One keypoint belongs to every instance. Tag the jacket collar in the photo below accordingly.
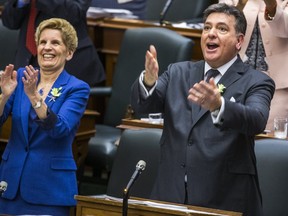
(61, 81)
(235, 72)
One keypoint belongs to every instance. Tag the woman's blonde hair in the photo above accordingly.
(69, 35)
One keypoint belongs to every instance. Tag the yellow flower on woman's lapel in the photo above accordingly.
(55, 93)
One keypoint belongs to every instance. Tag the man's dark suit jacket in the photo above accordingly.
(219, 161)
(85, 63)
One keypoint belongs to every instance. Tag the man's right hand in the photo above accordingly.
(151, 67)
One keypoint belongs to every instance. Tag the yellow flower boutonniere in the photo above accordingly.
(221, 88)
(55, 93)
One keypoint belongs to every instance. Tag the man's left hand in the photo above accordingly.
(206, 95)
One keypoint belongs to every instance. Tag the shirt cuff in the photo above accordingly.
(149, 91)
(217, 114)
(49, 122)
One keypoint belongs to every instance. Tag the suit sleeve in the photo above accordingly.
(250, 112)
(13, 17)
(73, 11)
(70, 111)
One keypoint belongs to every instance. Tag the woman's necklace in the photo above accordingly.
(43, 90)
(44, 87)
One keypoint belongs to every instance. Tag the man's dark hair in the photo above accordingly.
(241, 23)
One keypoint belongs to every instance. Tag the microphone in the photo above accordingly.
(164, 11)
(141, 165)
(3, 187)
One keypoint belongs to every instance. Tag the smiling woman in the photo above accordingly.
(47, 104)
(56, 42)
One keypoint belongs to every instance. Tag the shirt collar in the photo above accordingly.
(221, 69)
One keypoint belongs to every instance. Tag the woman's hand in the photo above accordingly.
(30, 81)
(8, 81)
(270, 4)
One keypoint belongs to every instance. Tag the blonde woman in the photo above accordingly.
(46, 106)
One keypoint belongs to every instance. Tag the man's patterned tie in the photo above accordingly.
(211, 73)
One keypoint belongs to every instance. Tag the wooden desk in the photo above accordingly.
(107, 34)
(87, 206)
(266, 136)
(137, 124)
(85, 131)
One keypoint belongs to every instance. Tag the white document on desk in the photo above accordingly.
(96, 12)
(124, 1)
(188, 25)
(157, 205)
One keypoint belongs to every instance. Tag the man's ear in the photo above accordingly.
(240, 39)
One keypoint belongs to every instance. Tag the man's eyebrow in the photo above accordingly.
(219, 23)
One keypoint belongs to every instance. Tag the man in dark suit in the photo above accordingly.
(207, 147)
(85, 64)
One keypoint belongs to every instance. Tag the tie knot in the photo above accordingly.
(211, 73)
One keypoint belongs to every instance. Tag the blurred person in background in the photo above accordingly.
(265, 46)
(26, 16)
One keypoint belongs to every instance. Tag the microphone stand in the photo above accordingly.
(139, 168)
(164, 12)
(125, 202)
